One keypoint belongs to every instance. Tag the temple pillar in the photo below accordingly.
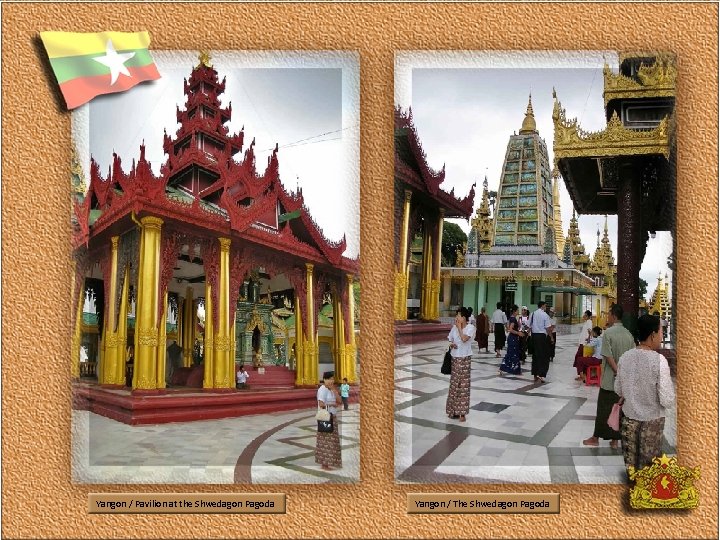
(401, 273)
(106, 371)
(299, 351)
(224, 373)
(426, 274)
(629, 237)
(77, 335)
(338, 335)
(351, 347)
(481, 293)
(208, 346)
(188, 327)
(122, 329)
(146, 311)
(162, 342)
(435, 281)
(310, 348)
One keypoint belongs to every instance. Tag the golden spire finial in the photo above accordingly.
(204, 58)
(528, 125)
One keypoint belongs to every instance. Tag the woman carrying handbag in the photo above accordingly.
(328, 453)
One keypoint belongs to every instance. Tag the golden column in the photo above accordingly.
(224, 374)
(146, 323)
(77, 331)
(162, 343)
(351, 348)
(401, 273)
(299, 351)
(208, 347)
(338, 334)
(188, 335)
(122, 329)
(310, 344)
(427, 260)
(109, 337)
(435, 283)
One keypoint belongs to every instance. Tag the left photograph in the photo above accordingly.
(215, 244)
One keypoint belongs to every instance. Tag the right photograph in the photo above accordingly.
(534, 263)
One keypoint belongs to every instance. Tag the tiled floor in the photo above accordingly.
(275, 448)
(516, 432)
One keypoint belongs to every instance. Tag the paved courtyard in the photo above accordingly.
(275, 448)
(516, 432)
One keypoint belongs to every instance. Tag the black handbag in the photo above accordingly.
(326, 426)
(446, 368)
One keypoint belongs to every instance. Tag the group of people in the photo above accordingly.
(538, 327)
(636, 377)
(633, 373)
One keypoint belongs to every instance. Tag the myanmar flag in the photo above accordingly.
(88, 65)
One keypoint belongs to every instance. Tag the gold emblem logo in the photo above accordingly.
(664, 484)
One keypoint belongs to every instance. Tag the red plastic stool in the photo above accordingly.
(592, 375)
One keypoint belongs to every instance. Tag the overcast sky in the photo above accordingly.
(308, 103)
(467, 105)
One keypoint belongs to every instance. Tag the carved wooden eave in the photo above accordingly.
(653, 81)
(615, 140)
(416, 172)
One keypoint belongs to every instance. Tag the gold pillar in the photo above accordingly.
(122, 329)
(435, 282)
(351, 348)
(338, 336)
(208, 348)
(310, 348)
(426, 295)
(299, 351)
(146, 320)
(224, 376)
(401, 273)
(110, 341)
(188, 335)
(162, 342)
(77, 335)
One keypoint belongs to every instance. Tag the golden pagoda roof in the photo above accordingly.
(529, 125)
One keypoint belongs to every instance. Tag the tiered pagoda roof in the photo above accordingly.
(603, 263)
(524, 219)
(660, 300)
(412, 169)
(579, 257)
(481, 226)
(202, 185)
(557, 214)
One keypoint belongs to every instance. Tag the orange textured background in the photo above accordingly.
(38, 499)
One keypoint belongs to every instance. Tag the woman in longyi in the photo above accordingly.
(328, 453)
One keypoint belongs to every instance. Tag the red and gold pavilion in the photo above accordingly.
(209, 214)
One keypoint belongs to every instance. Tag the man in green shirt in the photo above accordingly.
(617, 340)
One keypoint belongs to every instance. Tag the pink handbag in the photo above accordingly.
(614, 418)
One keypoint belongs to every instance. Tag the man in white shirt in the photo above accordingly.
(242, 377)
(499, 321)
(542, 330)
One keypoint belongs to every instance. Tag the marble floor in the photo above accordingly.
(517, 431)
(275, 448)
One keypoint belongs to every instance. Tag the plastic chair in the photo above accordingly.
(593, 375)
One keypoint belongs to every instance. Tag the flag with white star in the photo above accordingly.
(88, 65)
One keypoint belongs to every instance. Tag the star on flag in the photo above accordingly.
(88, 65)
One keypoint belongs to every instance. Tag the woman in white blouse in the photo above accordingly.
(460, 338)
(328, 453)
(644, 384)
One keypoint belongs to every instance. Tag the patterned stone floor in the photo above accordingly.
(516, 432)
(275, 448)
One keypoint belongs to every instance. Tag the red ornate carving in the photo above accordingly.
(424, 178)
(210, 253)
(170, 245)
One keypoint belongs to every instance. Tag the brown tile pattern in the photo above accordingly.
(35, 249)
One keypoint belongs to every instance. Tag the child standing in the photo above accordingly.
(345, 393)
